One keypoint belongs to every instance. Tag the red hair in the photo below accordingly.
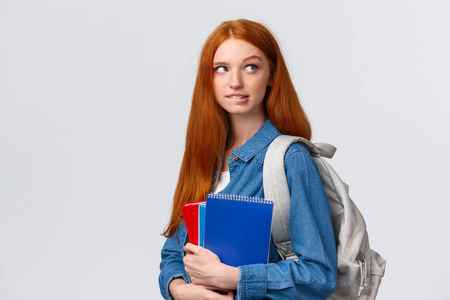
(208, 124)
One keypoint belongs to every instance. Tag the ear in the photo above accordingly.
(270, 82)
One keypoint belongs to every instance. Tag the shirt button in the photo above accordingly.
(235, 158)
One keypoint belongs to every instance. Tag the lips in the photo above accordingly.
(237, 96)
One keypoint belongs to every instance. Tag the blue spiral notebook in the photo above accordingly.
(237, 228)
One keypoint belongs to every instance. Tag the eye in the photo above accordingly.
(221, 69)
(251, 68)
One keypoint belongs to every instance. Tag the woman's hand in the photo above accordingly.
(204, 268)
(180, 290)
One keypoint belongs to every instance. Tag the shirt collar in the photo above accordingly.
(263, 137)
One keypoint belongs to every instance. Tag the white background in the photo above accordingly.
(94, 100)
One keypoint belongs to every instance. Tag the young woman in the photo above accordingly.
(243, 98)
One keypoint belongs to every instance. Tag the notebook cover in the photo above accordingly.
(238, 228)
(191, 219)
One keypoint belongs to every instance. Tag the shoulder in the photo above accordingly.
(298, 160)
(296, 150)
(296, 156)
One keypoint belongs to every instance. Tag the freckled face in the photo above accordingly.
(241, 77)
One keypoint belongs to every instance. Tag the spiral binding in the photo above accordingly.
(240, 198)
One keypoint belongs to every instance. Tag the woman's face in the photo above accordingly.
(241, 77)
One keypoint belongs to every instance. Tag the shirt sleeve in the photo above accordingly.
(172, 265)
(313, 276)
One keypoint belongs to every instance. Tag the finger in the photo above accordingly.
(187, 259)
(224, 295)
(215, 288)
(231, 295)
(191, 248)
(221, 295)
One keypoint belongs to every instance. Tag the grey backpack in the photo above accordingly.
(360, 268)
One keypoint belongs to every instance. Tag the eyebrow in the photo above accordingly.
(252, 57)
(245, 59)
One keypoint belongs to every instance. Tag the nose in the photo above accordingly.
(236, 81)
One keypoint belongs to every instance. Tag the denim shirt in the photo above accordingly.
(313, 276)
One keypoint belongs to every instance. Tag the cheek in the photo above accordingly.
(261, 86)
(218, 84)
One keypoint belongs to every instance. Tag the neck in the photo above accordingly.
(243, 128)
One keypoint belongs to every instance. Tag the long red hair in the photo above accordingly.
(208, 124)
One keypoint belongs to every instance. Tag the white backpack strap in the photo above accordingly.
(276, 187)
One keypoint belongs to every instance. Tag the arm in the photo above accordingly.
(313, 276)
(174, 281)
(181, 290)
(171, 265)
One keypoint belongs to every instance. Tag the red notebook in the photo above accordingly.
(191, 219)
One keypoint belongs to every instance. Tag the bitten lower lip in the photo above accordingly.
(238, 98)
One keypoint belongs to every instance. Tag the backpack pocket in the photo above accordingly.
(377, 268)
(359, 279)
